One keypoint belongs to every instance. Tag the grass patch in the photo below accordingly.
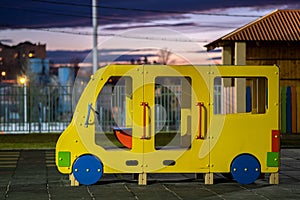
(45, 145)
(29, 141)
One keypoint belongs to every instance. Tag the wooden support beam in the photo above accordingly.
(142, 179)
(227, 55)
(240, 53)
(261, 95)
(209, 178)
(240, 83)
(73, 181)
(298, 108)
(240, 95)
(274, 178)
(254, 96)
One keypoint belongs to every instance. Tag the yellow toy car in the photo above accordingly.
(174, 119)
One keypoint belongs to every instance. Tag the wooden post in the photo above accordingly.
(209, 178)
(254, 95)
(274, 178)
(74, 182)
(288, 109)
(283, 109)
(143, 179)
(294, 110)
(240, 95)
(227, 55)
(240, 83)
(261, 95)
(298, 108)
(240, 53)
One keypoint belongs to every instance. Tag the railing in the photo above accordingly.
(25, 109)
(49, 109)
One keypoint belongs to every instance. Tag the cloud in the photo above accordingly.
(65, 56)
(62, 57)
(77, 13)
(217, 50)
(114, 28)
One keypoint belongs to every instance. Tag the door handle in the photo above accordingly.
(200, 135)
(145, 106)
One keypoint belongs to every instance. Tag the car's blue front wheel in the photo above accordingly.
(87, 169)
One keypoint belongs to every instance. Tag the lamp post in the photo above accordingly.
(95, 36)
(23, 82)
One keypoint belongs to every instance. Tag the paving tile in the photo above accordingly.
(32, 174)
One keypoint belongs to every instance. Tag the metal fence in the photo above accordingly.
(35, 109)
(47, 109)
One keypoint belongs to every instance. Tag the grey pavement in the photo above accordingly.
(32, 174)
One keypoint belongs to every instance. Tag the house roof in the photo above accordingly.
(279, 25)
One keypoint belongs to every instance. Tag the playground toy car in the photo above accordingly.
(143, 119)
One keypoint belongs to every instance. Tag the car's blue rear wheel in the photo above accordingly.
(87, 169)
(245, 169)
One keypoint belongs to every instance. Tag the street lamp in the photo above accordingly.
(3, 74)
(23, 81)
(30, 55)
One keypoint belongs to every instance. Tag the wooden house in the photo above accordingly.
(273, 39)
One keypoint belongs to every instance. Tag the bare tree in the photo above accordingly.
(164, 56)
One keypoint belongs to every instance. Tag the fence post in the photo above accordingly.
(288, 109)
(283, 109)
(298, 108)
(294, 110)
(40, 106)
